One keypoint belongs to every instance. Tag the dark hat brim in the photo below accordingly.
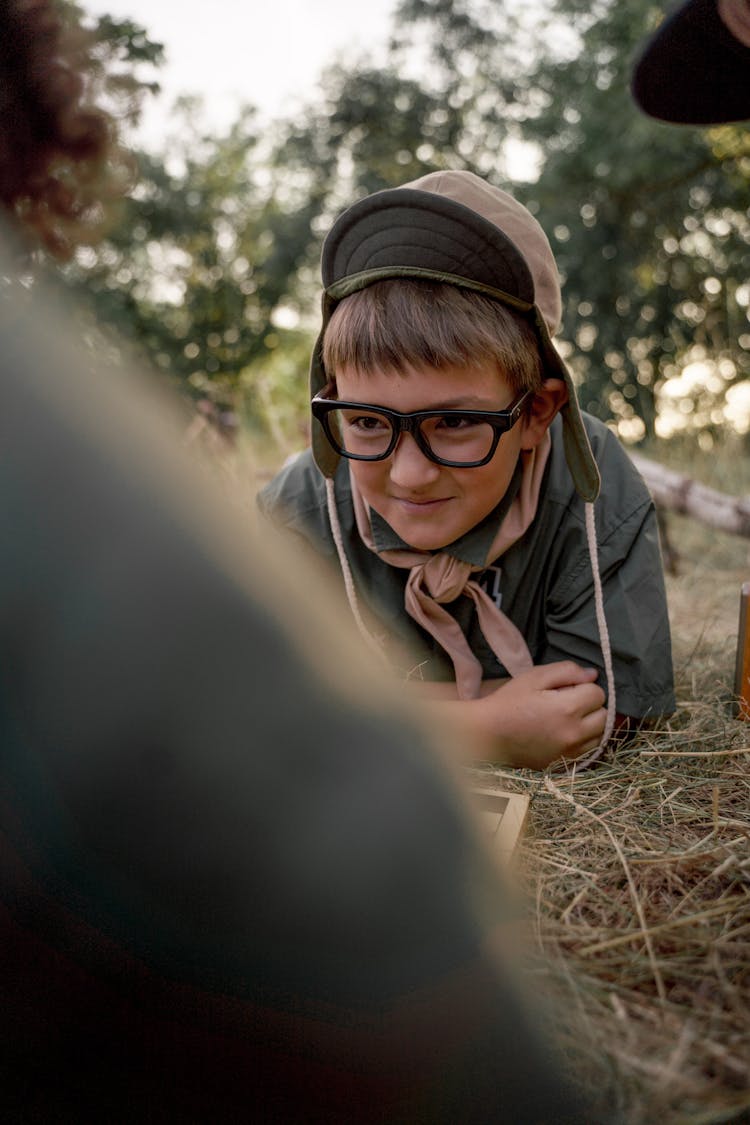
(693, 71)
(406, 228)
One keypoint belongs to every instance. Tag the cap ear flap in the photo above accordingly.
(326, 457)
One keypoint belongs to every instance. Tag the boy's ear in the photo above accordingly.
(551, 396)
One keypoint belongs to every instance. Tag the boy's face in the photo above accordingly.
(430, 505)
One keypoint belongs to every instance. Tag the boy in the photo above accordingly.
(452, 472)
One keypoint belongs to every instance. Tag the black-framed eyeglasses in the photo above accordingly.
(461, 439)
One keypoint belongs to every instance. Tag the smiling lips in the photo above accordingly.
(420, 504)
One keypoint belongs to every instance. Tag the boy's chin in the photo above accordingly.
(427, 542)
(423, 531)
(426, 538)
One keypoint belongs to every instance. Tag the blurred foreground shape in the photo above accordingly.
(229, 882)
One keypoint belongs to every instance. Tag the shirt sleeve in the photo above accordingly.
(635, 602)
(294, 501)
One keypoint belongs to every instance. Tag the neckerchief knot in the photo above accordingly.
(443, 577)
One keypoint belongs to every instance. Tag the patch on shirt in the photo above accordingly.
(489, 580)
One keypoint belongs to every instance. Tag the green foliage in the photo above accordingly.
(277, 404)
(201, 263)
(117, 58)
(213, 270)
(648, 222)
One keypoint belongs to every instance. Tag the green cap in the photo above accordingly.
(455, 228)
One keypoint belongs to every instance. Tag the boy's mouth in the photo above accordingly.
(414, 504)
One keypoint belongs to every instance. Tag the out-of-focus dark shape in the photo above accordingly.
(234, 884)
(59, 162)
(695, 70)
(228, 883)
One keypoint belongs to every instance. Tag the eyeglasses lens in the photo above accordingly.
(452, 437)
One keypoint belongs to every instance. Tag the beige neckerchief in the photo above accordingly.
(439, 578)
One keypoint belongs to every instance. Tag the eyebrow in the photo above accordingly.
(471, 403)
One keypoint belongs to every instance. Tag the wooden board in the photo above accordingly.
(742, 665)
(503, 815)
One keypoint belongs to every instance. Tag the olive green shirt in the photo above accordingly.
(543, 582)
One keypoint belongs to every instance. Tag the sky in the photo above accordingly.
(269, 52)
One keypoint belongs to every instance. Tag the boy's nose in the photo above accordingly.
(409, 467)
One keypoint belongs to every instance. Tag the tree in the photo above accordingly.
(648, 222)
(200, 263)
(216, 256)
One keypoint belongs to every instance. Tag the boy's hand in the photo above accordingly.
(552, 711)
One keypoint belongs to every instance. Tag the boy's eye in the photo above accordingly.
(455, 422)
(366, 423)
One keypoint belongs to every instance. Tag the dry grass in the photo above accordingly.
(639, 869)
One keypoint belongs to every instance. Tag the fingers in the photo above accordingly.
(589, 735)
(587, 719)
(593, 724)
(561, 674)
(551, 711)
(584, 699)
